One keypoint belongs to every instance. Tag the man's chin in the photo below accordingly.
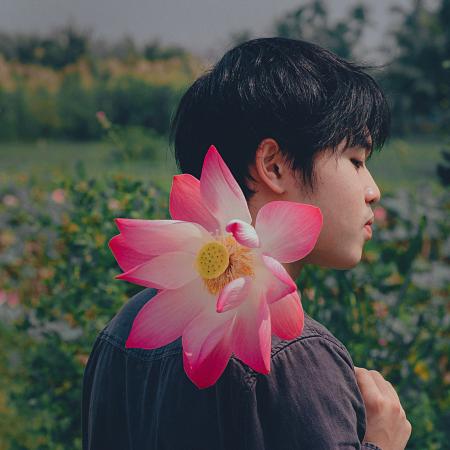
(341, 263)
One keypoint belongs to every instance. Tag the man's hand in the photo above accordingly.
(387, 425)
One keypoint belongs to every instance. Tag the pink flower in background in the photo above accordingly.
(103, 120)
(59, 196)
(113, 204)
(10, 298)
(10, 200)
(380, 215)
(222, 286)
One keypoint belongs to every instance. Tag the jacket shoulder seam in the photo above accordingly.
(252, 375)
(119, 345)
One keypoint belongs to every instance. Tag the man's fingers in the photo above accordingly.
(386, 419)
(393, 391)
(369, 389)
(364, 378)
(380, 382)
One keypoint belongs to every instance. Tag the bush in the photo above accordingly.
(59, 49)
(130, 143)
(68, 109)
(59, 292)
(135, 102)
(58, 261)
(76, 108)
(16, 117)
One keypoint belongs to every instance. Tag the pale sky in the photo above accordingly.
(199, 25)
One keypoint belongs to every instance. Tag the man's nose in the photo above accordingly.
(372, 191)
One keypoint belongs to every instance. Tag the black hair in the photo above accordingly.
(301, 95)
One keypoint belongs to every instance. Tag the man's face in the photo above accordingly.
(344, 194)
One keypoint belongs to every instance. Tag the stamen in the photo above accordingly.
(239, 263)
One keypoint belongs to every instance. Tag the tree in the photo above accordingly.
(154, 50)
(311, 22)
(418, 75)
(62, 47)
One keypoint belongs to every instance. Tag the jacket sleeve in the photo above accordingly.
(309, 400)
(369, 445)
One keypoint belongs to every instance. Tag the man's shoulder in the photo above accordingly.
(315, 351)
(117, 330)
(119, 327)
(314, 332)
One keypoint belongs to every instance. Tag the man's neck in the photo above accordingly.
(294, 269)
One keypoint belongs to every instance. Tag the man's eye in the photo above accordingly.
(357, 163)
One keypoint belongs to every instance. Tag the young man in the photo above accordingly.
(292, 122)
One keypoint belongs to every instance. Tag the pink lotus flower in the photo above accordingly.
(222, 285)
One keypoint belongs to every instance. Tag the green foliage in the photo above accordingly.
(59, 49)
(59, 291)
(443, 171)
(76, 107)
(417, 79)
(155, 51)
(54, 254)
(11, 106)
(391, 310)
(416, 76)
(65, 45)
(16, 114)
(130, 143)
(311, 22)
(443, 168)
(70, 111)
(134, 102)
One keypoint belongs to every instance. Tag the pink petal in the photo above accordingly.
(252, 340)
(222, 194)
(167, 271)
(163, 318)
(153, 237)
(288, 231)
(126, 257)
(207, 347)
(186, 202)
(233, 294)
(243, 232)
(287, 317)
(279, 284)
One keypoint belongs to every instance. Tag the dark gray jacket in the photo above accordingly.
(142, 399)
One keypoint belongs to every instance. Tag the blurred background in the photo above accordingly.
(87, 91)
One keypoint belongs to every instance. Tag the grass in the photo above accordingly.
(46, 159)
(407, 163)
(403, 163)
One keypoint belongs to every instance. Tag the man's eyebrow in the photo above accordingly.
(367, 145)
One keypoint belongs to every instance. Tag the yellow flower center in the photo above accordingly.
(212, 260)
(223, 260)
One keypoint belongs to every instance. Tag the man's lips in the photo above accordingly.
(368, 227)
(370, 221)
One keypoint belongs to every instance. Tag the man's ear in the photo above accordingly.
(270, 165)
